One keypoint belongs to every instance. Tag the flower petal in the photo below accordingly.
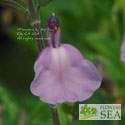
(123, 51)
(73, 54)
(64, 76)
(42, 61)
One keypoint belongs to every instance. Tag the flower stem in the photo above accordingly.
(74, 119)
(62, 116)
(55, 117)
(36, 24)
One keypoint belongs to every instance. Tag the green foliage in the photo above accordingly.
(10, 106)
(44, 2)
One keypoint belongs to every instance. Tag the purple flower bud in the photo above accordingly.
(123, 50)
(53, 23)
(54, 34)
(61, 72)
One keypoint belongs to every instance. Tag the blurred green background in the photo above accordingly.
(95, 27)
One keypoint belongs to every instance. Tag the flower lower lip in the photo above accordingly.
(64, 81)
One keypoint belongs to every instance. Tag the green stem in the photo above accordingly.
(74, 119)
(36, 24)
(62, 116)
(55, 117)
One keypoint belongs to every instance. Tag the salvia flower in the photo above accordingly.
(123, 50)
(62, 74)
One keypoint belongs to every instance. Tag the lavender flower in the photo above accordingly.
(123, 50)
(61, 72)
